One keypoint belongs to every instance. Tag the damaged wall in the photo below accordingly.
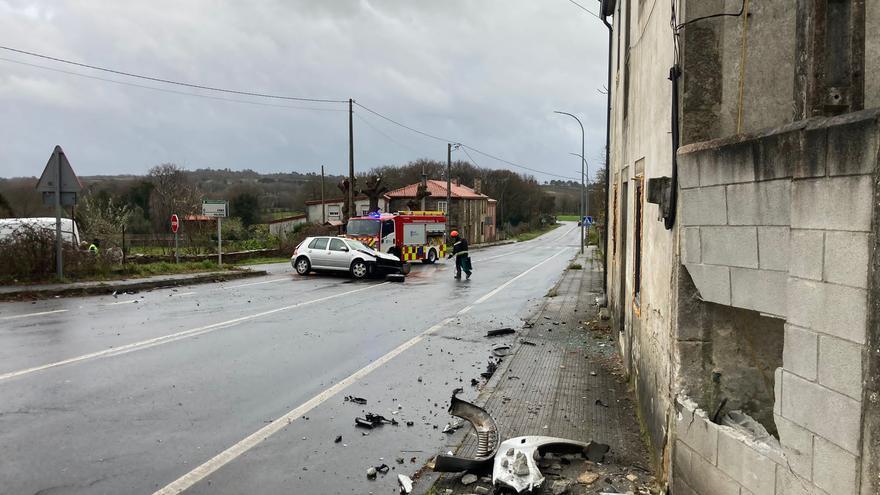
(727, 356)
(793, 203)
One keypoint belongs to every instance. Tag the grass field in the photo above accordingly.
(264, 260)
(567, 218)
(527, 236)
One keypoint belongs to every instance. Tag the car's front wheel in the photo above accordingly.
(302, 266)
(359, 269)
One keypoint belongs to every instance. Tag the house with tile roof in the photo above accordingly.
(471, 212)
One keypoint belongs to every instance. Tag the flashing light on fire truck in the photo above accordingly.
(409, 235)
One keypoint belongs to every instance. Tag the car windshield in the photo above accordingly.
(362, 227)
(358, 245)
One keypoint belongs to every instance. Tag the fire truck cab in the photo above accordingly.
(409, 235)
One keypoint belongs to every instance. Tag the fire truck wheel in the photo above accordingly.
(359, 269)
(432, 257)
(303, 267)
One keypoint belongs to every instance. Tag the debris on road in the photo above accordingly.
(501, 350)
(370, 421)
(515, 465)
(487, 439)
(356, 400)
(596, 451)
(406, 484)
(526, 342)
(451, 427)
(500, 331)
(490, 370)
(468, 479)
(338, 439)
(371, 473)
(382, 468)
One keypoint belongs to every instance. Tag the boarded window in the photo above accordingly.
(638, 197)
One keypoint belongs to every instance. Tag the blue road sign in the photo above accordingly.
(588, 220)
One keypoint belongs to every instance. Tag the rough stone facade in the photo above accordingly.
(760, 300)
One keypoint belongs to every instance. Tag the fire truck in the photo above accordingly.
(409, 235)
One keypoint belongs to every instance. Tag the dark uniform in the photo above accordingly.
(462, 259)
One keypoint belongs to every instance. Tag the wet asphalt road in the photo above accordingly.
(141, 392)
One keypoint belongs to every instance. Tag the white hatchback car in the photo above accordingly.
(341, 254)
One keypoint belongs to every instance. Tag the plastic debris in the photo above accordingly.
(500, 331)
(406, 484)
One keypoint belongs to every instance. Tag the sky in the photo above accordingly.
(486, 73)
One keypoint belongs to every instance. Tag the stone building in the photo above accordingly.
(471, 212)
(742, 243)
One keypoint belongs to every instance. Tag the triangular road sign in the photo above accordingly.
(69, 181)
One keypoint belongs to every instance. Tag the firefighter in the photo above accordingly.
(462, 259)
(93, 247)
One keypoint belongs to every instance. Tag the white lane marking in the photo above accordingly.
(120, 302)
(144, 344)
(230, 454)
(184, 294)
(33, 314)
(256, 283)
(191, 478)
(465, 309)
(523, 250)
(514, 279)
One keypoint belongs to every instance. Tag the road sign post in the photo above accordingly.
(175, 225)
(59, 185)
(217, 209)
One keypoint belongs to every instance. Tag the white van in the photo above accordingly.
(69, 230)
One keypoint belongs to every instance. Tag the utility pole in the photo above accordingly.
(351, 208)
(59, 246)
(448, 184)
(323, 205)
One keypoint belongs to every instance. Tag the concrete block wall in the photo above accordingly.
(788, 234)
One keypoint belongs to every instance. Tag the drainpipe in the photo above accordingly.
(607, 160)
(669, 220)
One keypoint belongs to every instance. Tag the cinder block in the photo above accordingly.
(713, 282)
(847, 256)
(760, 203)
(703, 206)
(681, 462)
(759, 290)
(707, 479)
(730, 246)
(809, 405)
(788, 483)
(837, 203)
(690, 244)
(797, 444)
(853, 141)
(840, 366)
(806, 250)
(698, 433)
(688, 171)
(828, 308)
(773, 245)
(834, 469)
(799, 352)
(814, 141)
(753, 470)
(727, 165)
(777, 154)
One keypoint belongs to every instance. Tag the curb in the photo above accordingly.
(492, 244)
(106, 288)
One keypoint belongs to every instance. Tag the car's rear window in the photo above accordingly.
(319, 243)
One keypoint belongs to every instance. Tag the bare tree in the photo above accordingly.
(102, 217)
(172, 193)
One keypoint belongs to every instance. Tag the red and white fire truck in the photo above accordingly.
(409, 235)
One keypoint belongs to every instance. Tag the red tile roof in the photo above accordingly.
(437, 188)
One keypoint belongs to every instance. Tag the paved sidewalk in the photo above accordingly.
(567, 384)
(40, 291)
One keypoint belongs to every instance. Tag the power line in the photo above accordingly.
(165, 90)
(446, 140)
(389, 119)
(586, 10)
(379, 131)
(169, 81)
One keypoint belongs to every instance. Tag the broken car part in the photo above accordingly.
(406, 484)
(356, 400)
(487, 439)
(515, 465)
(500, 331)
(501, 350)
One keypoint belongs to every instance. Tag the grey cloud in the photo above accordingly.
(489, 73)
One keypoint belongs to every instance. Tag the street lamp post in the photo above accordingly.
(585, 189)
(583, 176)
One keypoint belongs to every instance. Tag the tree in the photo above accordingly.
(172, 193)
(5, 209)
(101, 216)
(246, 206)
